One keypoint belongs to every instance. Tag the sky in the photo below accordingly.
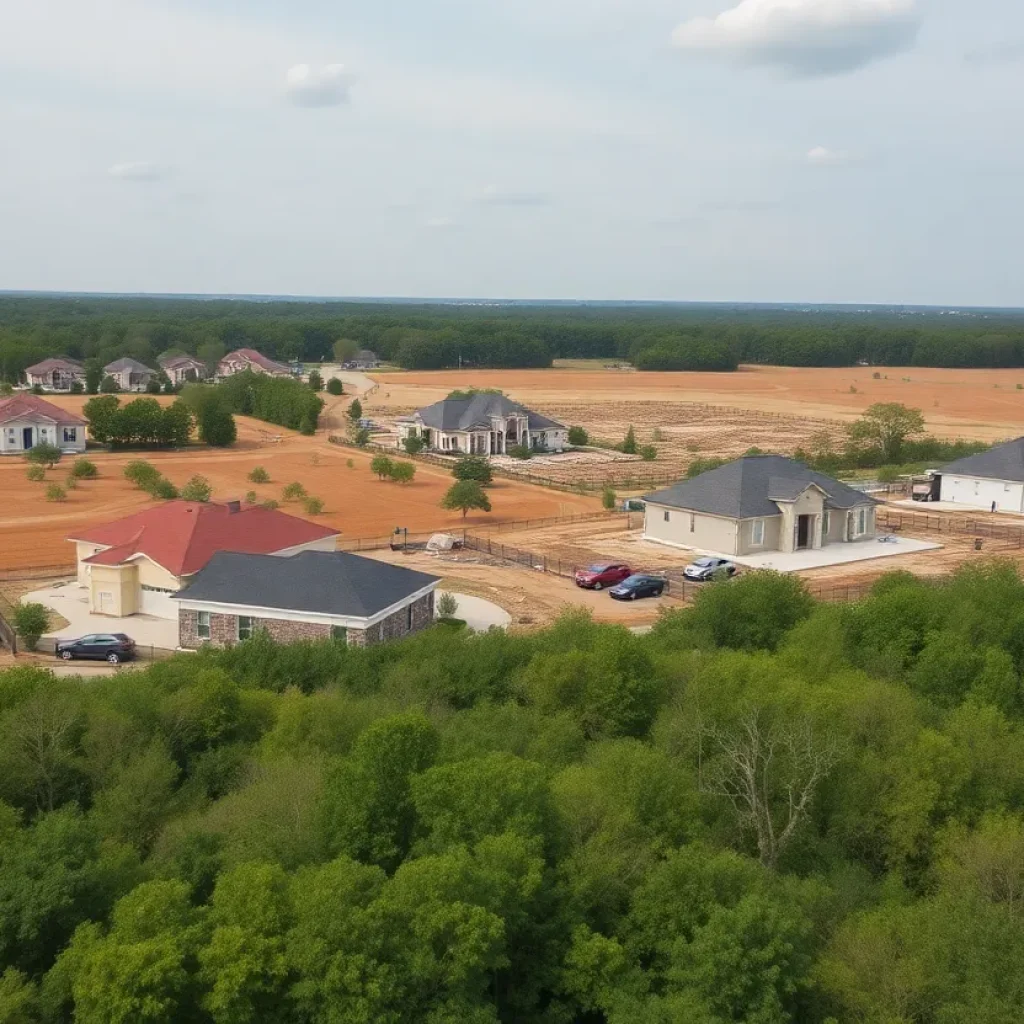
(698, 150)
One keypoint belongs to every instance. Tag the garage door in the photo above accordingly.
(158, 603)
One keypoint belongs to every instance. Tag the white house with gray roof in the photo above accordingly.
(129, 374)
(482, 424)
(757, 504)
(989, 479)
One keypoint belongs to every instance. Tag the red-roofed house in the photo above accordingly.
(55, 374)
(28, 420)
(133, 565)
(243, 359)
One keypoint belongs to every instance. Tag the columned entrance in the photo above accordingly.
(804, 532)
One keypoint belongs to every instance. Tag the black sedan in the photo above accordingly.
(639, 585)
(111, 647)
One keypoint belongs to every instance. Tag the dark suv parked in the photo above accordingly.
(639, 586)
(112, 647)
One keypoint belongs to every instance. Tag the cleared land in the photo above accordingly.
(33, 530)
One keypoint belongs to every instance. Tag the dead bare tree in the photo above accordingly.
(769, 773)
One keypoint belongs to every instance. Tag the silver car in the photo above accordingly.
(709, 568)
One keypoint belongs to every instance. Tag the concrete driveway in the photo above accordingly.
(72, 601)
(480, 615)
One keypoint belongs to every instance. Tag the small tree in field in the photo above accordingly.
(381, 465)
(163, 489)
(578, 436)
(109, 386)
(141, 473)
(447, 606)
(56, 493)
(293, 491)
(316, 382)
(362, 437)
(608, 499)
(270, 503)
(197, 488)
(402, 472)
(886, 425)
(314, 506)
(37, 474)
(31, 620)
(84, 469)
(413, 444)
(47, 455)
(71, 482)
(251, 497)
(464, 496)
(335, 387)
(355, 410)
(648, 453)
(628, 446)
(216, 425)
(473, 467)
(258, 475)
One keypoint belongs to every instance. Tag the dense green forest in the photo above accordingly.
(764, 811)
(432, 336)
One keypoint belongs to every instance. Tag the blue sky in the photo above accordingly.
(766, 150)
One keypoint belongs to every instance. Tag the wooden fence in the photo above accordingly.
(8, 634)
(964, 526)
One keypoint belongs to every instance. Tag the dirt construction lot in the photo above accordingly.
(33, 530)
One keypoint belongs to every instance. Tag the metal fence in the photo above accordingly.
(964, 526)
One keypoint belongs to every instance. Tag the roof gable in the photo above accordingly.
(477, 411)
(127, 363)
(320, 582)
(32, 407)
(1004, 462)
(182, 536)
(748, 488)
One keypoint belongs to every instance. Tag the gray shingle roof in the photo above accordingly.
(327, 582)
(476, 412)
(1004, 462)
(129, 364)
(745, 489)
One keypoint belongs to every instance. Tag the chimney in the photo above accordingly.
(233, 506)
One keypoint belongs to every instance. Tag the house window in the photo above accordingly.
(668, 517)
(408, 619)
(826, 522)
(757, 533)
(339, 634)
(693, 523)
(245, 627)
(862, 521)
(70, 435)
(203, 625)
(10, 436)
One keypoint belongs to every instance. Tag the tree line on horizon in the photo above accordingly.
(440, 337)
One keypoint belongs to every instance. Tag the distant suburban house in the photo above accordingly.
(135, 564)
(995, 477)
(182, 369)
(483, 424)
(364, 360)
(55, 374)
(243, 359)
(28, 420)
(756, 504)
(314, 595)
(130, 374)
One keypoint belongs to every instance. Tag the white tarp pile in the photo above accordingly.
(441, 542)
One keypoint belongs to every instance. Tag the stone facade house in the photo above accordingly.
(243, 359)
(28, 420)
(992, 478)
(135, 565)
(183, 369)
(756, 504)
(129, 374)
(315, 595)
(55, 374)
(482, 424)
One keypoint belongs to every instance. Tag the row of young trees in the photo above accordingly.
(140, 423)
(432, 336)
(282, 400)
(766, 810)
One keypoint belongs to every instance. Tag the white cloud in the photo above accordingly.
(804, 37)
(439, 223)
(495, 195)
(326, 86)
(822, 156)
(138, 170)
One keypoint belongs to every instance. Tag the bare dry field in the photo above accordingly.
(33, 531)
(976, 404)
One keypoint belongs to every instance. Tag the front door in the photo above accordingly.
(803, 531)
(26, 438)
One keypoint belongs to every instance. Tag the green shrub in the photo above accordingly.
(657, 435)
(402, 472)
(316, 382)
(628, 446)
(648, 453)
(270, 503)
(447, 605)
(335, 387)
(413, 444)
(43, 455)
(141, 473)
(56, 493)
(355, 410)
(250, 498)
(519, 451)
(473, 467)
(381, 466)
(71, 482)
(350, 463)
(608, 499)
(578, 436)
(77, 387)
(258, 475)
(314, 506)
(362, 437)
(293, 491)
(197, 488)
(31, 620)
(163, 489)
(36, 474)
(84, 469)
